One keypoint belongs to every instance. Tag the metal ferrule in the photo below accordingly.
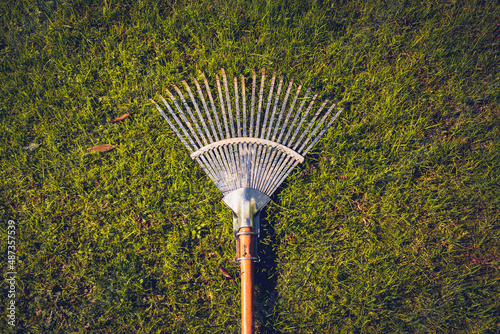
(246, 203)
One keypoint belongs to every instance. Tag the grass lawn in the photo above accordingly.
(391, 224)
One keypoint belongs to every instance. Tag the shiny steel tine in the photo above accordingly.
(245, 146)
(237, 105)
(208, 160)
(273, 113)
(270, 155)
(323, 131)
(274, 169)
(203, 163)
(297, 114)
(244, 98)
(287, 118)
(179, 123)
(261, 97)
(214, 110)
(232, 148)
(229, 150)
(311, 123)
(200, 116)
(223, 152)
(228, 99)
(297, 129)
(184, 118)
(221, 166)
(299, 126)
(207, 112)
(268, 107)
(252, 108)
(176, 131)
(221, 100)
(282, 177)
(282, 112)
(313, 132)
(213, 160)
(190, 113)
(265, 151)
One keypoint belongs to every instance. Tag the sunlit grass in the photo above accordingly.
(390, 225)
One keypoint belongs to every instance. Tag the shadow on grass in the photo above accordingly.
(266, 279)
(266, 271)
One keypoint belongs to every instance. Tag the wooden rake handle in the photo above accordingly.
(247, 256)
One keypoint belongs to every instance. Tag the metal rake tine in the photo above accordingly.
(172, 126)
(221, 99)
(233, 166)
(200, 133)
(236, 101)
(299, 126)
(323, 131)
(258, 161)
(243, 95)
(241, 149)
(229, 150)
(247, 155)
(280, 166)
(287, 118)
(214, 110)
(263, 153)
(228, 98)
(283, 107)
(270, 155)
(255, 156)
(210, 162)
(208, 170)
(184, 118)
(269, 100)
(179, 123)
(218, 154)
(261, 95)
(311, 123)
(254, 79)
(267, 170)
(258, 156)
(297, 114)
(276, 170)
(284, 175)
(273, 113)
(206, 165)
(313, 132)
(224, 151)
(207, 112)
(279, 180)
(200, 116)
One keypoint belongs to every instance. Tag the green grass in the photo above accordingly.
(391, 225)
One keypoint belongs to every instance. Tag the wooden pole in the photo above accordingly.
(247, 280)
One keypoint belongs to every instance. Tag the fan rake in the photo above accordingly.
(247, 152)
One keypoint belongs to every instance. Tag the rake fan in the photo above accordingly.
(248, 153)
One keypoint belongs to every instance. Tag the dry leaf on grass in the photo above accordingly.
(226, 274)
(102, 148)
(121, 118)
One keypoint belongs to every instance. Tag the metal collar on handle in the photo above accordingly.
(246, 203)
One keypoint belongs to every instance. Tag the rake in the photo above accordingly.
(247, 152)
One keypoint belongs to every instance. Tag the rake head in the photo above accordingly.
(247, 141)
(243, 147)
